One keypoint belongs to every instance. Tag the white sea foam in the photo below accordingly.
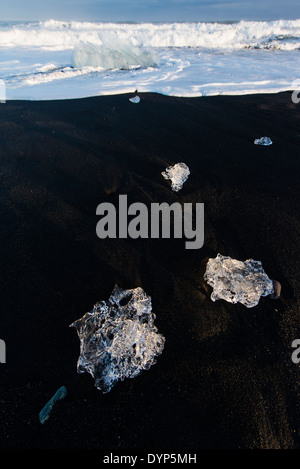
(280, 34)
(56, 59)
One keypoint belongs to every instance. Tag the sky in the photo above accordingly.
(149, 10)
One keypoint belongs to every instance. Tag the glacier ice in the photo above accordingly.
(178, 174)
(112, 55)
(263, 141)
(135, 99)
(118, 338)
(236, 281)
(45, 412)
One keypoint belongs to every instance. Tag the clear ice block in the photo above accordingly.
(236, 281)
(178, 174)
(266, 141)
(118, 338)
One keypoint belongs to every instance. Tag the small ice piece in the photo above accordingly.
(135, 99)
(118, 338)
(178, 175)
(263, 141)
(45, 412)
(236, 281)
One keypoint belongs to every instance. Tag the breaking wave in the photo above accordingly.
(59, 60)
(59, 35)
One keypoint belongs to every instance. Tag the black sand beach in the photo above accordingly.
(225, 378)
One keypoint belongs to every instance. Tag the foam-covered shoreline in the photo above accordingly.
(58, 60)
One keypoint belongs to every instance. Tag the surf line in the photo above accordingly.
(113, 224)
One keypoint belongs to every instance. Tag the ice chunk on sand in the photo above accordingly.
(118, 338)
(263, 141)
(135, 99)
(45, 412)
(236, 281)
(178, 175)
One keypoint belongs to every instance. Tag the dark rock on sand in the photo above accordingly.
(277, 290)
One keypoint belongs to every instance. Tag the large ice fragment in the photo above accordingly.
(118, 338)
(236, 281)
(266, 141)
(113, 53)
(178, 175)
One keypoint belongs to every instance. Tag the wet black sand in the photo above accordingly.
(225, 378)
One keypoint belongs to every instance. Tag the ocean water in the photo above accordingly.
(61, 60)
